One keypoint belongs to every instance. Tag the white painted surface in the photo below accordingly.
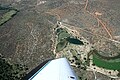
(58, 69)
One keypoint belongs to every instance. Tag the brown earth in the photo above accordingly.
(26, 38)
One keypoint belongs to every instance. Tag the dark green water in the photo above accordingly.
(105, 64)
(5, 8)
(75, 41)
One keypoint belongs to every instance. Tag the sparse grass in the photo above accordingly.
(95, 15)
(74, 52)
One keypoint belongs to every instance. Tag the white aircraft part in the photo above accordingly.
(58, 69)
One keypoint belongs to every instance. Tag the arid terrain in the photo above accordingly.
(28, 38)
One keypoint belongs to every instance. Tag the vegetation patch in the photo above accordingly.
(112, 65)
(7, 16)
(74, 52)
(11, 71)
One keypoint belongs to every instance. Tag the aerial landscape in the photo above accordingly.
(86, 32)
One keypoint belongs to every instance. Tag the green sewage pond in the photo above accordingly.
(61, 45)
(64, 38)
(107, 64)
(75, 41)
